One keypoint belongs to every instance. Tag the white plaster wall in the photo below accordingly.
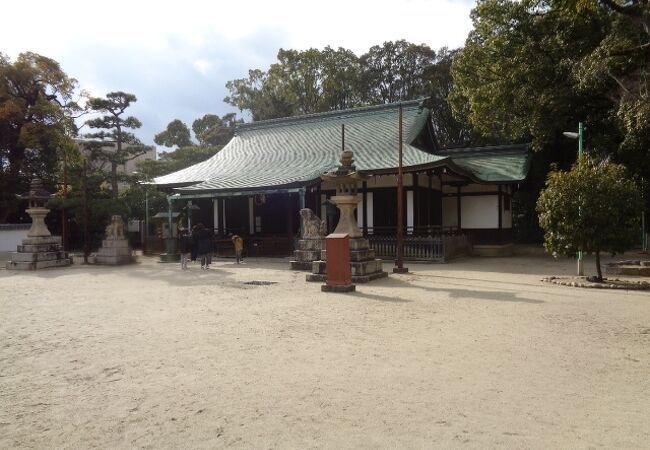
(506, 217)
(449, 212)
(10, 239)
(479, 211)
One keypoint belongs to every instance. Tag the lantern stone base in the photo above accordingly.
(363, 264)
(38, 252)
(114, 252)
(309, 250)
(171, 254)
(338, 288)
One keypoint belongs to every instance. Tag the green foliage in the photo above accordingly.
(36, 116)
(438, 85)
(178, 159)
(177, 134)
(395, 71)
(313, 81)
(516, 76)
(534, 68)
(212, 130)
(594, 207)
(301, 82)
(89, 204)
(114, 145)
(135, 197)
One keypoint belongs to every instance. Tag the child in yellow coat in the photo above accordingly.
(238, 242)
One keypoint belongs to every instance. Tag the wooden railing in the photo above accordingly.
(434, 248)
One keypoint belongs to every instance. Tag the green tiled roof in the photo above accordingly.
(297, 151)
(501, 163)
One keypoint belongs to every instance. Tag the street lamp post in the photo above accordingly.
(580, 136)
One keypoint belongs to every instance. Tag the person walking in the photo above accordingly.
(204, 245)
(238, 242)
(185, 245)
(195, 243)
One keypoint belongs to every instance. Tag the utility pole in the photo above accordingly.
(399, 263)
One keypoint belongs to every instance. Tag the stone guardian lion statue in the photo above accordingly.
(312, 226)
(115, 229)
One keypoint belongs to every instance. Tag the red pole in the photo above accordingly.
(399, 263)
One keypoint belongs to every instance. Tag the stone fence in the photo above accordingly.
(11, 235)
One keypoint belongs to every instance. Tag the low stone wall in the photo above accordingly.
(11, 235)
(629, 267)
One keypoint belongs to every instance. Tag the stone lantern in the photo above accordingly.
(36, 197)
(364, 267)
(346, 179)
(39, 249)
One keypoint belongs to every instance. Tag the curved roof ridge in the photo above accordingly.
(483, 149)
(337, 114)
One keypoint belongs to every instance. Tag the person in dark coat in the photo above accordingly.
(195, 242)
(185, 247)
(204, 245)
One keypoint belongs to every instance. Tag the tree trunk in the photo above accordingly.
(113, 179)
(86, 216)
(600, 273)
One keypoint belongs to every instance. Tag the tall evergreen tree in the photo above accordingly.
(115, 145)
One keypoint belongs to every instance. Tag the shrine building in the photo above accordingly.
(456, 200)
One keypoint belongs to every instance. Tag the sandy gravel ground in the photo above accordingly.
(473, 354)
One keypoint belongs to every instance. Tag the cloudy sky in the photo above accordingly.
(176, 56)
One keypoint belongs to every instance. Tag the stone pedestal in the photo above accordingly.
(115, 248)
(363, 264)
(38, 252)
(114, 252)
(171, 251)
(309, 250)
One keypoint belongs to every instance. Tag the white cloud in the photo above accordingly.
(203, 66)
(177, 56)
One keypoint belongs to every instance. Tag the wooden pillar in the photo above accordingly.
(458, 207)
(289, 223)
(223, 216)
(318, 209)
(251, 215)
(364, 212)
(429, 202)
(216, 216)
(416, 203)
(500, 206)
